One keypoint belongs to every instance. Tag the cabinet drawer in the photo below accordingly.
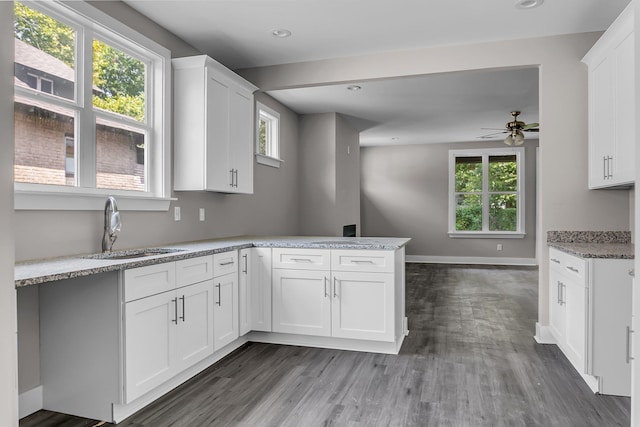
(150, 280)
(571, 265)
(225, 263)
(194, 270)
(302, 259)
(361, 260)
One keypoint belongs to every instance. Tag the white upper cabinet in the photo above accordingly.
(612, 106)
(213, 127)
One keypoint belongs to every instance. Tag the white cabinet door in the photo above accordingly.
(363, 306)
(149, 343)
(556, 306)
(576, 321)
(225, 310)
(244, 286)
(301, 302)
(260, 289)
(194, 340)
(241, 131)
(624, 158)
(217, 169)
(601, 122)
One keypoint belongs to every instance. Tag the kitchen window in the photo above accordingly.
(486, 193)
(86, 79)
(267, 136)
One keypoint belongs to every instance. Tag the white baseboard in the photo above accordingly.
(471, 260)
(30, 402)
(544, 335)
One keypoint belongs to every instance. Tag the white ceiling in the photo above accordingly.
(434, 108)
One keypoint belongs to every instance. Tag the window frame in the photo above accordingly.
(272, 155)
(90, 23)
(485, 153)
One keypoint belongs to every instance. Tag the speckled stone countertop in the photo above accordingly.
(593, 244)
(34, 272)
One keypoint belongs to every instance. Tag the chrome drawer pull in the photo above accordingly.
(360, 261)
(175, 308)
(219, 295)
(182, 298)
(575, 270)
(557, 261)
(227, 263)
(301, 260)
(326, 294)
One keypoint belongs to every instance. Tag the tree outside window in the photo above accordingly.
(486, 190)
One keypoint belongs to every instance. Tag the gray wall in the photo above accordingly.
(405, 193)
(271, 210)
(330, 179)
(565, 202)
(8, 328)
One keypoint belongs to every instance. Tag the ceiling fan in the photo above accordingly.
(515, 130)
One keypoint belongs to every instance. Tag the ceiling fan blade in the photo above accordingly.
(493, 134)
(502, 129)
(530, 125)
(531, 130)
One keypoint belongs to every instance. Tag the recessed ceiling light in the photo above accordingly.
(354, 88)
(528, 4)
(281, 33)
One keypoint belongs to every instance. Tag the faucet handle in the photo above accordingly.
(115, 223)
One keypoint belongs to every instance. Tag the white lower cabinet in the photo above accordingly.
(168, 332)
(255, 290)
(362, 306)
(357, 304)
(225, 310)
(225, 305)
(590, 318)
(301, 302)
(165, 334)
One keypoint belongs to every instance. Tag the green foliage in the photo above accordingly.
(469, 218)
(45, 33)
(132, 106)
(262, 138)
(121, 80)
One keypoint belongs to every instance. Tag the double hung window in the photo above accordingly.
(486, 193)
(91, 110)
(268, 136)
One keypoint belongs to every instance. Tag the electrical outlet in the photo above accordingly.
(176, 213)
(499, 247)
(201, 214)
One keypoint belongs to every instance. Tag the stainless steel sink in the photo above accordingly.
(134, 253)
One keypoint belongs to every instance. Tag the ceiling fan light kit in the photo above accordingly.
(515, 130)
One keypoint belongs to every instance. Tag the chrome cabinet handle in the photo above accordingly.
(604, 167)
(558, 287)
(632, 272)
(245, 264)
(629, 332)
(362, 261)
(557, 261)
(335, 287)
(219, 295)
(182, 298)
(226, 263)
(231, 184)
(326, 294)
(175, 309)
(236, 178)
(575, 270)
(301, 260)
(609, 168)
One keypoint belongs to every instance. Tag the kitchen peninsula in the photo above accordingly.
(141, 322)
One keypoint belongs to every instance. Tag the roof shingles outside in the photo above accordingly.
(32, 57)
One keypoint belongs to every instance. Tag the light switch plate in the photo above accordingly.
(176, 213)
(201, 214)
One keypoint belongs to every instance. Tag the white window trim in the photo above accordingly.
(485, 234)
(273, 159)
(158, 198)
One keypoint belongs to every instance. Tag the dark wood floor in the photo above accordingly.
(470, 360)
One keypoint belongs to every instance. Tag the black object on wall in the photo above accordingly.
(349, 230)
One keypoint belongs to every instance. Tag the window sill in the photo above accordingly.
(87, 200)
(485, 235)
(268, 161)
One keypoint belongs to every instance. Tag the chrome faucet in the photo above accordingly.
(112, 224)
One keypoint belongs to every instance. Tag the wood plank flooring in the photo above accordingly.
(469, 360)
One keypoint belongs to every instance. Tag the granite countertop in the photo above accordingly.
(48, 270)
(593, 244)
